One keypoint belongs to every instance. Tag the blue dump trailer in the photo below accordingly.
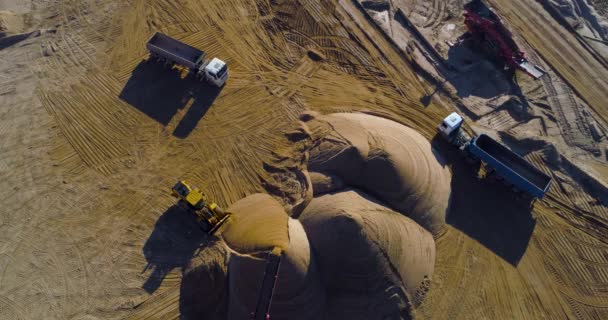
(507, 164)
(510, 166)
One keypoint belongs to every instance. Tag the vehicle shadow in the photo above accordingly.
(176, 238)
(160, 92)
(485, 210)
(474, 74)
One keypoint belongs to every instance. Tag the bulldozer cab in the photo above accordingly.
(181, 190)
(193, 197)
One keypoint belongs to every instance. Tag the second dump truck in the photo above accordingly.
(508, 165)
(170, 51)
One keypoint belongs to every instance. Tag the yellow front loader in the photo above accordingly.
(209, 214)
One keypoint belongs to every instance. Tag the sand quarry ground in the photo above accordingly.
(92, 137)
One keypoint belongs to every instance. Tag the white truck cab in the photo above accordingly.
(450, 125)
(215, 71)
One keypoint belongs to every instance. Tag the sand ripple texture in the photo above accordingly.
(259, 223)
(388, 160)
(375, 263)
(347, 257)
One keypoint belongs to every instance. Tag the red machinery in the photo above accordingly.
(485, 26)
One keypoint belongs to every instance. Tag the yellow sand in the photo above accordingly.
(348, 257)
(258, 223)
(386, 159)
(368, 253)
(298, 291)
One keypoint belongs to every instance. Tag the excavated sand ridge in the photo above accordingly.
(384, 158)
(348, 256)
(375, 263)
(93, 137)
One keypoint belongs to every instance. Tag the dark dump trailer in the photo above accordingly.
(510, 166)
(161, 45)
(171, 51)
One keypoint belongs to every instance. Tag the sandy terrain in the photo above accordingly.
(93, 136)
(386, 159)
(347, 256)
(374, 262)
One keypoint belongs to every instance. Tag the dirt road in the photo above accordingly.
(561, 49)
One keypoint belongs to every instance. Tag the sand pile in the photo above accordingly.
(258, 224)
(348, 255)
(10, 23)
(383, 158)
(203, 286)
(375, 263)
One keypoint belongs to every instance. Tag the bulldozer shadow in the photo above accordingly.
(485, 210)
(161, 92)
(174, 241)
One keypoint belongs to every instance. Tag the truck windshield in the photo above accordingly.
(222, 71)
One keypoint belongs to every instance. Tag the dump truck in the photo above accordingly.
(486, 27)
(498, 159)
(173, 52)
(209, 215)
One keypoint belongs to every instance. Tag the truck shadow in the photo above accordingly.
(161, 92)
(176, 238)
(475, 75)
(486, 211)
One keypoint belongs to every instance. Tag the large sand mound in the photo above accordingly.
(384, 158)
(348, 257)
(258, 224)
(298, 292)
(374, 262)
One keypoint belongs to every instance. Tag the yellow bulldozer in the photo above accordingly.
(208, 213)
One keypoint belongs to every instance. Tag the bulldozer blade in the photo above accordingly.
(217, 225)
